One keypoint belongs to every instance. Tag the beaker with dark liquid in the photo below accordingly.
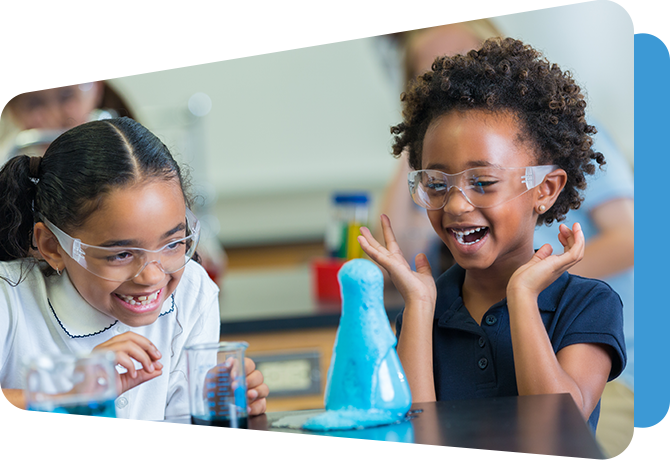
(217, 384)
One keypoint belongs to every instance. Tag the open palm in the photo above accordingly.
(544, 268)
(414, 285)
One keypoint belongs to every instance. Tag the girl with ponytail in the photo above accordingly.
(96, 242)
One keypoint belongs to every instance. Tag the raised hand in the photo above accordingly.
(257, 391)
(544, 268)
(416, 285)
(131, 345)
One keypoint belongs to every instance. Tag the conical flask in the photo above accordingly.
(366, 384)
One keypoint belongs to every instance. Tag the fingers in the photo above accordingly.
(131, 337)
(249, 366)
(578, 234)
(254, 376)
(257, 390)
(389, 236)
(563, 237)
(373, 249)
(422, 264)
(127, 350)
(257, 407)
(544, 268)
(254, 379)
(572, 240)
(141, 376)
(131, 345)
(386, 256)
(369, 244)
(544, 251)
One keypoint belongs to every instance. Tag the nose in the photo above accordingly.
(457, 203)
(151, 274)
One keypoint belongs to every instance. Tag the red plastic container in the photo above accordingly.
(326, 286)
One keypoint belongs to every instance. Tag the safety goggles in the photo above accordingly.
(122, 263)
(482, 187)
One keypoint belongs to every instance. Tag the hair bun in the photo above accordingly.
(34, 166)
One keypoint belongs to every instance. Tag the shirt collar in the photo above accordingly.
(76, 316)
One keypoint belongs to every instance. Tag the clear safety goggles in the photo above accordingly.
(122, 263)
(482, 187)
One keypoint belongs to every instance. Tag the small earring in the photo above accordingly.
(542, 208)
(58, 271)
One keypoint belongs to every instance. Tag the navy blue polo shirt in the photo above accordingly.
(476, 361)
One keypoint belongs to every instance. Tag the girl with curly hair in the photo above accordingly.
(498, 143)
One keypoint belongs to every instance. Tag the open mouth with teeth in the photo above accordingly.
(469, 236)
(140, 302)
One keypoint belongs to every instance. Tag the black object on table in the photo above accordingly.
(543, 427)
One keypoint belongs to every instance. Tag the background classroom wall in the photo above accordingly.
(281, 132)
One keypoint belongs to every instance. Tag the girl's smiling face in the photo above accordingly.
(144, 215)
(480, 238)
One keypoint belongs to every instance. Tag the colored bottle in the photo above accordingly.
(349, 212)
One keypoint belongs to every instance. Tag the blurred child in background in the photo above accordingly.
(48, 84)
(31, 121)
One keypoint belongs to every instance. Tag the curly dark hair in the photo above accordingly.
(506, 75)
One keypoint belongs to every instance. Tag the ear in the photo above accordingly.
(48, 246)
(547, 192)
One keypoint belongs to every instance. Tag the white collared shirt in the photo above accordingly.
(45, 315)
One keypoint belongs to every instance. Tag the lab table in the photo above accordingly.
(537, 424)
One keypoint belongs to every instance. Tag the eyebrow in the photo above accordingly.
(468, 165)
(135, 243)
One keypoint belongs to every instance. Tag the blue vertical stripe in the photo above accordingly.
(652, 254)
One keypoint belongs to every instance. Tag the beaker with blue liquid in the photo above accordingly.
(217, 384)
(69, 384)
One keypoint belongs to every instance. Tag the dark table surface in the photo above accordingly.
(544, 427)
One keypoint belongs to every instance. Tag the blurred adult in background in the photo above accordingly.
(418, 49)
(390, 18)
(48, 85)
(607, 219)
(606, 216)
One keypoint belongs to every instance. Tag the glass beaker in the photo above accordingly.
(69, 384)
(217, 384)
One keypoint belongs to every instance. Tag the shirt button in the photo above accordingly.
(121, 402)
(491, 320)
(121, 329)
(482, 342)
(483, 363)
